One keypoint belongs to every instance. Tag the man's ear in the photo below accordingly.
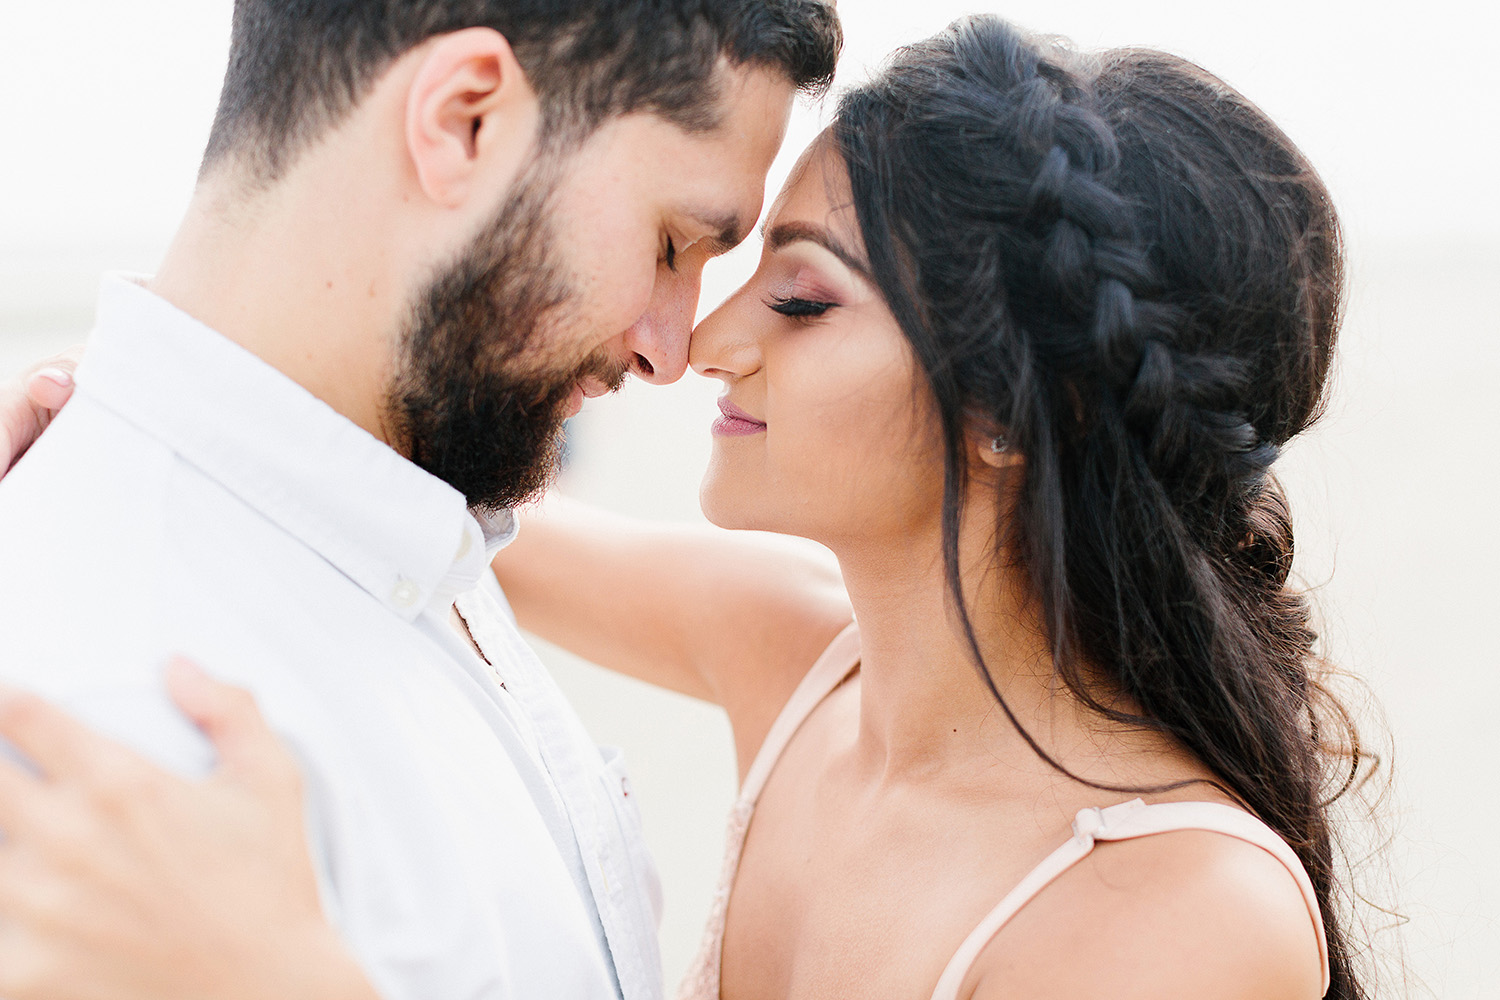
(472, 119)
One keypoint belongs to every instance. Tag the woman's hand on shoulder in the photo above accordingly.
(120, 880)
(28, 404)
(1176, 916)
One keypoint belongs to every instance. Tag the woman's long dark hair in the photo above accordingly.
(1126, 266)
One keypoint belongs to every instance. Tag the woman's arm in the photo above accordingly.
(120, 880)
(732, 617)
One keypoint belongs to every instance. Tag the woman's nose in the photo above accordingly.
(723, 345)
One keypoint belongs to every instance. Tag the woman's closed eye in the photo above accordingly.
(799, 308)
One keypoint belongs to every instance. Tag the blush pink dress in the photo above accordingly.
(1124, 821)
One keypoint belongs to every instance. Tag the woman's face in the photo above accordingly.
(828, 430)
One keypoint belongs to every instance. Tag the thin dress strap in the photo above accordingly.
(838, 661)
(1127, 821)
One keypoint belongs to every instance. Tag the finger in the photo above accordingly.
(19, 426)
(23, 963)
(8, 442)
(49, 388)
(19, 790)
(33, 967)
(61, 747)
(248, 749)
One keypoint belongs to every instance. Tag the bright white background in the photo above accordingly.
(104, 107)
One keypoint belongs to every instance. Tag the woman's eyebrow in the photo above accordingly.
(783, 233)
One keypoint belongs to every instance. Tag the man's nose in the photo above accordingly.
(659, 340)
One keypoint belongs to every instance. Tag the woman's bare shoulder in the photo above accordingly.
(1185, 914)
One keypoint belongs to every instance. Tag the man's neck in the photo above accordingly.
(285, 276)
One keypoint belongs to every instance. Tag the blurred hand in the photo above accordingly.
(28, 405)
(119, 880)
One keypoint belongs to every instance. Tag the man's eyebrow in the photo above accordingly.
(729, 233)
(790, 232)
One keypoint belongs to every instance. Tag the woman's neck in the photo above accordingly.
(924, 706)
(925, 710)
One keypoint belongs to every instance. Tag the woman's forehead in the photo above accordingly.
(817, 192)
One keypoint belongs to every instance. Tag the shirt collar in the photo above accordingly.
(396, 531)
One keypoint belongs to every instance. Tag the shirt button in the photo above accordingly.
(406, 594)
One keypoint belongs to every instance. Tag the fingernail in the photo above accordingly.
(10, 695)
(56, 376)
(183, 675)
(181, 668)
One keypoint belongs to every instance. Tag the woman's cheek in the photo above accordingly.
(849, 417)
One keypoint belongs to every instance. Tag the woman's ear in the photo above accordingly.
(998, 453)
(472, 119)
(992, 444)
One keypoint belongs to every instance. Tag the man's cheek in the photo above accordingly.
(620, 294)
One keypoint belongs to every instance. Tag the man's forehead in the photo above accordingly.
(721, 182)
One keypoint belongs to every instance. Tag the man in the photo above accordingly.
(424, 230)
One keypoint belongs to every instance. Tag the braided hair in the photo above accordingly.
(1124, 264)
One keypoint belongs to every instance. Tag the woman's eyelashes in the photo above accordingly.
(797, 307)
(670, 255)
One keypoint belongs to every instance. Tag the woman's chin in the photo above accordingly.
(720, 509)
(728, 504)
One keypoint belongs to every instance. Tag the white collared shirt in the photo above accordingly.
(472, 841)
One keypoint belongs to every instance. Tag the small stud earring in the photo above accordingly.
(999, 444)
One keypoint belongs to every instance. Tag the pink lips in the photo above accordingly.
(736, 422)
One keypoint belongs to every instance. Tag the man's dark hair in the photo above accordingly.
(297, 67)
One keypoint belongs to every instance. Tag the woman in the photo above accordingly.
(1027, 335)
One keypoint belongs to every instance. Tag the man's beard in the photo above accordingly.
(476, 400)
